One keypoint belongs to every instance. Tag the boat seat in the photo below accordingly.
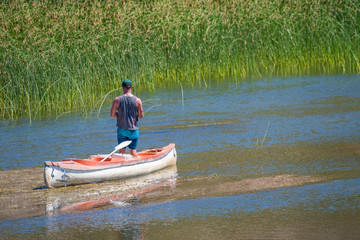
(155, 150)
(126, 156)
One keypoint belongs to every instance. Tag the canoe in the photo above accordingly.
(80, 171)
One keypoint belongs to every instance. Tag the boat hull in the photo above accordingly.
(60, 176)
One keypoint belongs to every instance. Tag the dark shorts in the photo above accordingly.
(126, 135)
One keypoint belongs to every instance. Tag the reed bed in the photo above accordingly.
(65, 56)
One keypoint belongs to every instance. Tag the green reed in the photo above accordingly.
(65, 56)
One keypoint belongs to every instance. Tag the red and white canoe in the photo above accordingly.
(95, 169)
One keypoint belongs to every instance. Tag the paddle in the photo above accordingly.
(120, 146)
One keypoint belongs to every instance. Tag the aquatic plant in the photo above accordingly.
(65, 56)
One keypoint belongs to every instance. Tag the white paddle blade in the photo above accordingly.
(122, 145)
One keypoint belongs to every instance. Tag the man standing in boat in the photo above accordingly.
(127, 108)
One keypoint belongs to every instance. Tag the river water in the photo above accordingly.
(258, 159)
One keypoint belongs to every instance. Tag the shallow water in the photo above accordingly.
(277, 159)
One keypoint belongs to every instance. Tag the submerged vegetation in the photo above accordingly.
(63, 56)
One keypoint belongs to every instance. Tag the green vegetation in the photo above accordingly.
(63, 56)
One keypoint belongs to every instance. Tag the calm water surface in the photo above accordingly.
(267, 159)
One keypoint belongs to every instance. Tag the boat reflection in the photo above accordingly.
(120, 193)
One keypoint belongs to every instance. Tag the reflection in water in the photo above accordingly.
(119, 193)
(123, 193)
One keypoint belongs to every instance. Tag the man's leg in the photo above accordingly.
(133, 152)
(121, 138)
(132, 147)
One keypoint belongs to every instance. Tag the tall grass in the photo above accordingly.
(64, 56)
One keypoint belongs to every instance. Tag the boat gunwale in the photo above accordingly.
(105, 167)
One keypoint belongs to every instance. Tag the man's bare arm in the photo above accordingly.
(114, 107)
(140, 108)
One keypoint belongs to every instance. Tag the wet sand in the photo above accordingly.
(18, 199)
(23, 193)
